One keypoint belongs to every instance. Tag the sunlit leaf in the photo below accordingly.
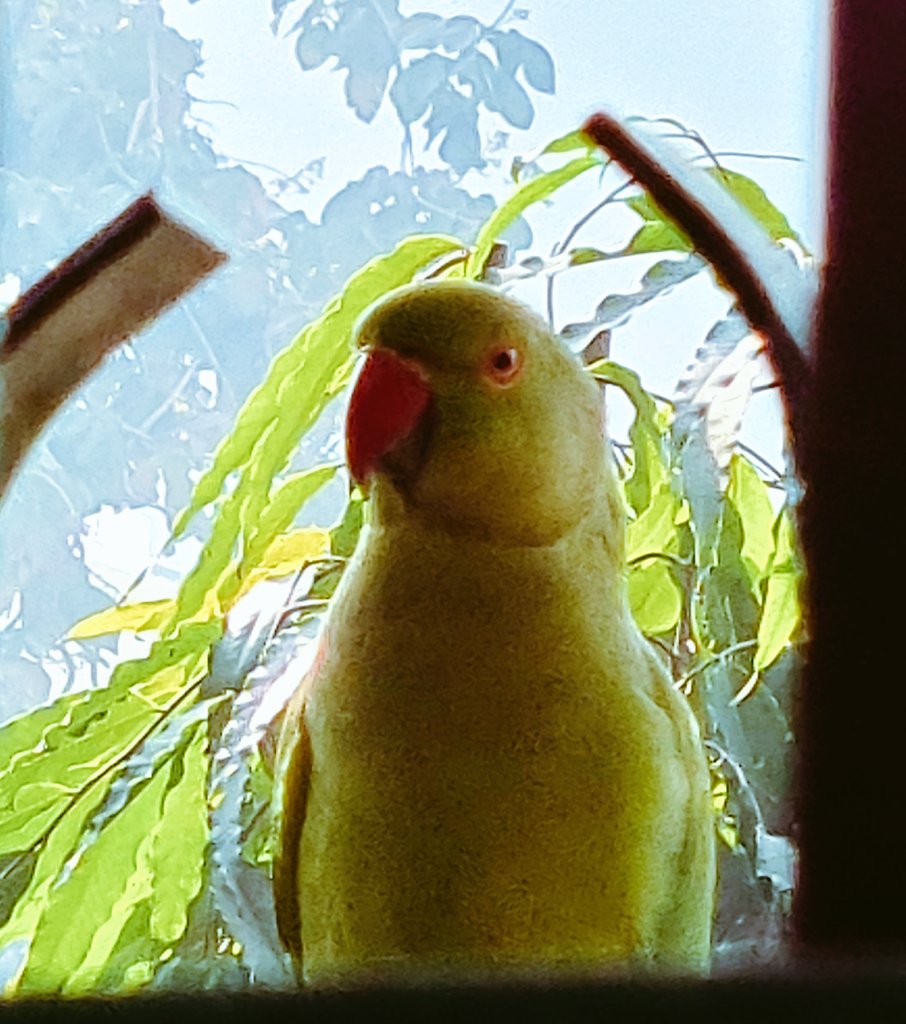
(782, 614)
(141, 765)
(568, 142)
(290, 551)
(660, 234)
(100, 894)
(533, 191)
(52, 855)
(749, 494)
(295, 382)
(655, 530)
(647, 434)
(177, 855)
(752, 197)
(140, 616)
(282, 508)
(655, 598)
(83, 738)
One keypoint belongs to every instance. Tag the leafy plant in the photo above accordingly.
(109, 798)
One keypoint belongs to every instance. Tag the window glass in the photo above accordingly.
(304, 138)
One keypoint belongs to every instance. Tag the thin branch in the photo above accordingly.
(662, 556)
(742, 155)
(499, 20)
(570, 235)
(719, 658)
(760, 459)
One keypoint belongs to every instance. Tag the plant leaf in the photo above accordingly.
(83, 736)
(100, 894)
(533, 191)
(655, 531)
(319, 353)
(660, 234)
(782, 614)
(614, 310)
(716, 387)
(289, 497)
(649, 468)
(51, 858)
(655, 598)
(177, 855)
(749, 494)
(142, 615)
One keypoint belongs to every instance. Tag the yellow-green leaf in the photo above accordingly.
(660, 234)
(782, 614)
(312, 368)
(749, 495)
(177, 854)
(655, 530)
(655, 598)
(282, 508)
(289, 553)
(52, 856)
(87, 911)
(533, 191)
(138, 617)
(647, 434)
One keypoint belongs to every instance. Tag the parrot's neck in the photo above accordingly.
(584, 566)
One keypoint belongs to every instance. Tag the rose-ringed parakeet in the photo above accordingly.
(487, 767)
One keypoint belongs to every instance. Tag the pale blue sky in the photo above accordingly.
(743, 73)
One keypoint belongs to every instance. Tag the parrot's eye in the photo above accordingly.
(504, 366)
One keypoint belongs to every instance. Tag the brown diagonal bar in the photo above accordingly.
(61, 329)
(710, 240)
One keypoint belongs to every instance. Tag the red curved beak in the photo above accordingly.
(389, 399)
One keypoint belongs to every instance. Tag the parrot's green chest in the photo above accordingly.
(501, 777)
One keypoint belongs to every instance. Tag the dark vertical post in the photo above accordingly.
(852, 723)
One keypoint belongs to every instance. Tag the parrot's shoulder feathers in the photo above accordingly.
(293, 770)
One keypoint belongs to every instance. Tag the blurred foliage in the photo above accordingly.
(439, 73)
(139, 808)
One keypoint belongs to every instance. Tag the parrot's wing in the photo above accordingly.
(293, 770)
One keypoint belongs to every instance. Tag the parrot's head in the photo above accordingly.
(471, 415)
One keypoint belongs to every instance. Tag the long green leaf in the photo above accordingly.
(82, 737)
(647, 435)
(51, 860)
(655, 598)
(312, 368)
(100, 893)
(533, 191)
(130, 890)
(782, 613)
(749, 494)
(659, 234)
(289, 497)
(177, 855)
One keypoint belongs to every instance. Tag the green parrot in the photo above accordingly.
(487, 767)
